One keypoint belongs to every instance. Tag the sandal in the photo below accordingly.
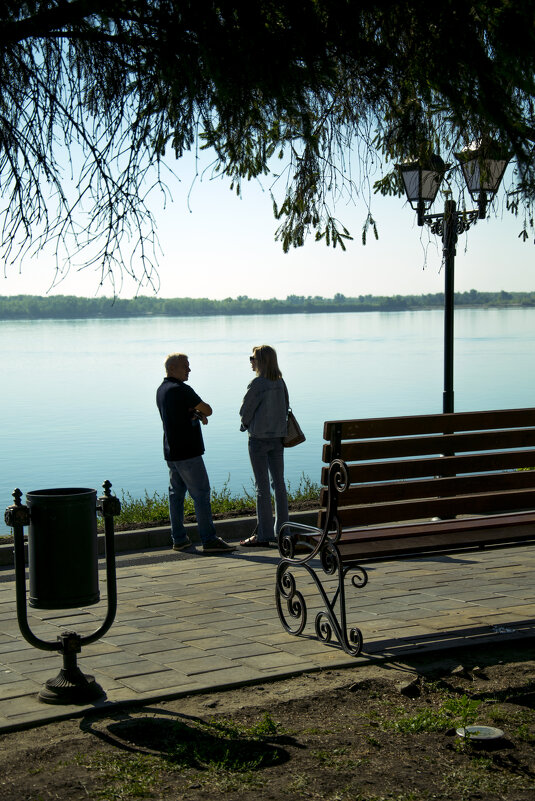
(253, 542)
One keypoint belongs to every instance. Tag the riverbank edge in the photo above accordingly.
(147, 539)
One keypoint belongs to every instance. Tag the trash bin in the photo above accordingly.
(62, 548)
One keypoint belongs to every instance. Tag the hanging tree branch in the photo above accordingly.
(112, 86)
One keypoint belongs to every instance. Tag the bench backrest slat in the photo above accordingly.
(428, 445)
(450, 486)
(423, 466)
(429, 423)
(404, 469)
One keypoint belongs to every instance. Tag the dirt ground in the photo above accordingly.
(367, 733)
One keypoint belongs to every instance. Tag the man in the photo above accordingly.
(182, 412)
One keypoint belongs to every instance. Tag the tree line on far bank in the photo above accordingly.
(33, 307)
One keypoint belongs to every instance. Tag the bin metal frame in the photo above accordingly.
(70, 686)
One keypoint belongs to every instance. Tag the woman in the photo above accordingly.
(263, 413)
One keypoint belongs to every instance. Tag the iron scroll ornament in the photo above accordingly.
(327, 621)
(338, 481)
(462, 222)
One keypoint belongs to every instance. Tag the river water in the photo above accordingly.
(77, 396)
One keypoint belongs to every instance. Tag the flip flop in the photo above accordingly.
(253, 542)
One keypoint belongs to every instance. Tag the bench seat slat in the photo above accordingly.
(446, 507)
(434, 536)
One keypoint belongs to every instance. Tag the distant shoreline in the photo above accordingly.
(70, 307)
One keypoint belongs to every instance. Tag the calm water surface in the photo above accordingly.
(77, 397)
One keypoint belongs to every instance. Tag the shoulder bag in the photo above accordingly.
(295, 435)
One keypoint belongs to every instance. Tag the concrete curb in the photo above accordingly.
(145, 539)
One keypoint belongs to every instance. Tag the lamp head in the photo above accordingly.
(483, 164)
(421, 180)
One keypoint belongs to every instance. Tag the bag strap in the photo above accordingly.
(288, 407)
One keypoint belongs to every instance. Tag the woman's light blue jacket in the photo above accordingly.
(264, 410)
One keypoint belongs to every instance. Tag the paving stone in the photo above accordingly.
(39, 661)
(168, 680)
(148, 647)
(518, 610)
(10, 626)
(175, 629)
(234, 652)
(167, 607)
(308, 647)
(203, 663)
(21, 707)
(154, 624)
(137, 667)
(444, 604)
(227, 677)
(116, 657)
(168, 657)
(194, 632)
(244, 623)
(291, 669)
(208, 618)
(219, 641)
(8, 675)
(135, 636)
(275, 639)
(18, 689)
(268, 661)
(8, 651)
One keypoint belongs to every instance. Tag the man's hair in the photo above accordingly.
(266, 362)
(173, 359)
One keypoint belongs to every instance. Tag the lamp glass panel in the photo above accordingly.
(484, 176)
(430, 183)
(411, 181)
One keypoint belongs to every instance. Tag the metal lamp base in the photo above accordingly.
(71, 686)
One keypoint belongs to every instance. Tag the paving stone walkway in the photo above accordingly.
(188, 623)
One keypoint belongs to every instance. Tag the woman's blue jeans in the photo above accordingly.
(190, 475)
(267, 461)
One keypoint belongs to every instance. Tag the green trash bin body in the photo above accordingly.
(62, 548)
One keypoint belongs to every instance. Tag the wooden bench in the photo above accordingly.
(400, 487)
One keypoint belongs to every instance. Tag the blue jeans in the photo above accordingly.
(267, 461)
(190, 475)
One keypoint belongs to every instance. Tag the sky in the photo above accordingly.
(217, 245)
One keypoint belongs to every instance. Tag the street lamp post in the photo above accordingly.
(483, 167)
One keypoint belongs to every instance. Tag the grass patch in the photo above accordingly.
(453, 712)
(154, 509)
(265, 729)
(125, 777)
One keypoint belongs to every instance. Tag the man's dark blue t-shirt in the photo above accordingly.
(182, 437)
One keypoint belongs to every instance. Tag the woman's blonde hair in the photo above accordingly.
(266, 362)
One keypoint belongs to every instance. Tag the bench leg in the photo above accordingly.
(327, 621)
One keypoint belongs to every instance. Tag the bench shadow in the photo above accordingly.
(517, 631)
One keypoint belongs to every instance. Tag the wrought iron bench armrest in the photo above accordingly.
(287, 542)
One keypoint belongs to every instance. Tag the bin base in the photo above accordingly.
(71, 686)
